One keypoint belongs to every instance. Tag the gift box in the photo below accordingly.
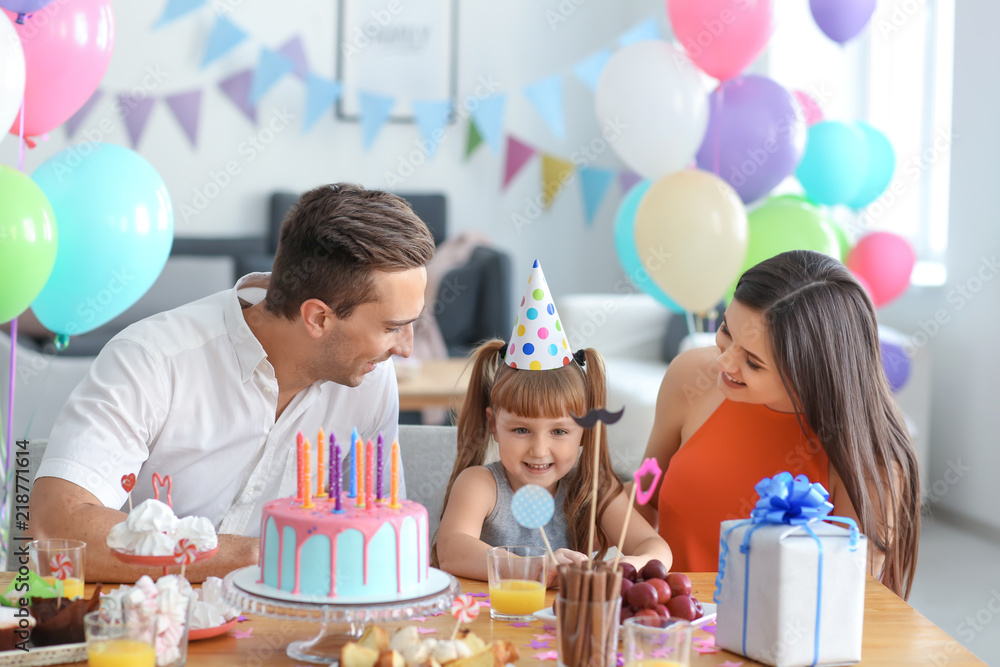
(791, 586)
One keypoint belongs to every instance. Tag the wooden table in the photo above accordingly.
(440, 383)
(894, 634)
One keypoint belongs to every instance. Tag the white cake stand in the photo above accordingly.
(339, 622)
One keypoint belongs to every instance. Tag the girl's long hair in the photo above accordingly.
(549, 394)
(823, 333)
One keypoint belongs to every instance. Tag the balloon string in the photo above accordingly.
(20, 139)
(718, 130)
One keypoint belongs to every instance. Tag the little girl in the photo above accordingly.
(523, 396)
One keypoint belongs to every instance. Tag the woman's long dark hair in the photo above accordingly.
(824, 336)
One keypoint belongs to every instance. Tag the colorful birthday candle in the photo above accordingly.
(336, 474)
(369, 476)
(352, 480)
(394, 477)
(307, 476)
(359, 449)
(299, 462)
(378, 473)
(320, 466)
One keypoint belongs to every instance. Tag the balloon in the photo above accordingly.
(878, 172)
(755, 136)
(832, 168)
(810, 107)
(650, 96)
(841, 20)
(691, 235)
(11, 74)
(27, 242)
(843, 239)
(116, 227)
(627, 253)
(722, 37)
(66, 52)
(22, 7)
(885, 261)
(895, 363)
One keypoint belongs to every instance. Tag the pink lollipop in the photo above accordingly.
(465, 609)
(185, 552)
(60, 566)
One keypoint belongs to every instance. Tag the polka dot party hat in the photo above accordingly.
(538, 342)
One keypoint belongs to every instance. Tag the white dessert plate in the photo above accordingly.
(247, 580)
(710, 610)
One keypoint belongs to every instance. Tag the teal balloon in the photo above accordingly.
(116, 228)
(834, 164)
(879, 170)
(628, 254)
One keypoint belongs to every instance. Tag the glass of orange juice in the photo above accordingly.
(60, 563)
(517, 578)
(657, 642)
(112, 642)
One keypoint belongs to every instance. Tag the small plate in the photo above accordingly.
(710, 610)
(205, 633)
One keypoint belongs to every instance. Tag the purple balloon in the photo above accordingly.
(841, 20)
(896, 364)
(24, 6)
(756, 135)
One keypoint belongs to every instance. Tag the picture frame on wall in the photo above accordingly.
(404, 49)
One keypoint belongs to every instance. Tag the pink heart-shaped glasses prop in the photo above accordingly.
(649, 466)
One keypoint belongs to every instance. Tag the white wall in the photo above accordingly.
(965, 421)
(509, 42)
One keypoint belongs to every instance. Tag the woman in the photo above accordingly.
(796, 383)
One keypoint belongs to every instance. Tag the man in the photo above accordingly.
(213, 393)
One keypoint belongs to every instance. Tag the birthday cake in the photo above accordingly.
(353, 544)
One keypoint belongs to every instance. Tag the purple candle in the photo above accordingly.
(378, 468)
(336, 474)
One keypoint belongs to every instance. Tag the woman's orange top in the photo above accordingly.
(712, 476)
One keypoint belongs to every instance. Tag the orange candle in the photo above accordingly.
(360, 449)
(320, 468)
(394, 477)
(370, 476)
(299, 463)
(307, 501)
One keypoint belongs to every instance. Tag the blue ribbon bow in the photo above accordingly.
(785, 500)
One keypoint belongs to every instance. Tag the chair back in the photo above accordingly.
(428, 454)
(23, 475)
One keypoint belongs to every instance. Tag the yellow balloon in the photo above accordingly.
(691, 235)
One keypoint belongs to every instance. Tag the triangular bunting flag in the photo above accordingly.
(237, 89)
(77, 118)
(272, 66)
(489, 120)
(135, 113)
(547, 96)
(175, 9)
(321, 94)
(589, 69)
(555, 174)
(518, 153)
(187, 108)
(224, 37)
(375, 110)
(594, 183)
(473, 140)
(627, 179)
(432, 116)
(648, 29)
(294, 51)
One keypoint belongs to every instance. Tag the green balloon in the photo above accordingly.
(781, 224)
(843, 240)
(28, 242)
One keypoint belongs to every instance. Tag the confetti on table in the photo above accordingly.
(549, 628)
(547, 655)
(705, 649)
(543, 636)
(243, 634)
(730, 663)
(538, 644)
(479, 595)
(241, 618)
(418, 619)
(710, 628)
(706, 641)
(484, 603)
(620, 661)
(426, 631)
(661, 652)
(520, 624)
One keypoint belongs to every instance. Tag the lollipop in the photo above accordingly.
(648, 466)
(60, 566)
(533, 507)
(465, 609)
(185, 553)
(128, 483)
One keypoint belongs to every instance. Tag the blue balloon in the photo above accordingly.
(628, 255)
(833, 167)
(880, 168)
(116, 228)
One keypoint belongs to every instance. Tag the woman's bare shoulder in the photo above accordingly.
(694, 372)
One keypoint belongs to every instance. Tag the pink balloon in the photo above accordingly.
(883, 261)
(67, 48)
(810, 107)
(722, 37)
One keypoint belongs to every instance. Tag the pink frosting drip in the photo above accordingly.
(288, 512)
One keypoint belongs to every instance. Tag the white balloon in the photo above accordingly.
(651, 95)
(11, 74)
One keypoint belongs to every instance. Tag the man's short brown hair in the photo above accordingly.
(332, 240)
